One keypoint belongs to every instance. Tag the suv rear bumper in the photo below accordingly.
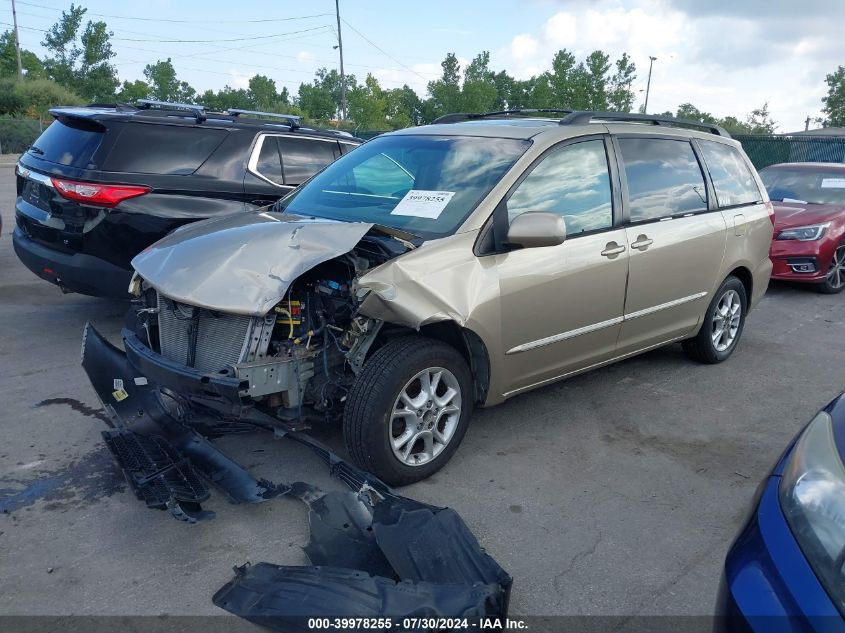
(77, 272)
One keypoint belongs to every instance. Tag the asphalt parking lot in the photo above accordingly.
(615, 493)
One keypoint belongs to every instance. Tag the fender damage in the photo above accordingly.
(374, 552)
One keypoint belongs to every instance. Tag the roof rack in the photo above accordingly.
(471, 116)
(292, 119)
(149, 104)
(579, 118)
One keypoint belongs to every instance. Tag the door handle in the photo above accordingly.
(612, 249)
(642, 243)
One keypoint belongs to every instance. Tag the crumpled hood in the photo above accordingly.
(243, 263)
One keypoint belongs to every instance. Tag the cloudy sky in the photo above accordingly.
(725, 56)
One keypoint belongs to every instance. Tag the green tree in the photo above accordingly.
(446, 92)
(316, 102)
(689, 111)
(404, 107)
(133, 91)
(621, 95)
(165, 85)
(368, 105)
(32, 66)
(834, 102)
(760, 121)
(479, 93)
(597, 65)
(263, 94)
(80, 61)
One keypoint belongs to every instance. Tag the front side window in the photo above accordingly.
(302, 158)
(732, 179)
(572, 181)
(425, 185)
(664, 178)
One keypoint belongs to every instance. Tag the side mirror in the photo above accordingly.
(537, 228)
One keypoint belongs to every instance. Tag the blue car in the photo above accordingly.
(785, 572)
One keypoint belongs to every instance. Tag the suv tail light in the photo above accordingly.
(97, 194)
(771, 209)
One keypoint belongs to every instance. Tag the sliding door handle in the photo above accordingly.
(612, 249)
(642, 242)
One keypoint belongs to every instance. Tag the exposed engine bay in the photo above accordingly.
(296, 362)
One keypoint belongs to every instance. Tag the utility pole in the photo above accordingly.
(807, 124)
(17, 40)
(342, 74)
(648, 84)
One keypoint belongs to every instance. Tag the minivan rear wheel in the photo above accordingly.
(723, 324)
(408, 409)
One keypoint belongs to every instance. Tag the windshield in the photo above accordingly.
(805, 185)
(425, 185)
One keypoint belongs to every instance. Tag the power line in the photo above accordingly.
(384, 52)
(233, 39)
(127, 17)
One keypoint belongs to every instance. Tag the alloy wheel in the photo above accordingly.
(726, 320)
(836, 274)
(425, 416)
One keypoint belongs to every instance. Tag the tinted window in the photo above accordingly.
(573, 182)
(269, 164)
(817, 185)
(69, 142)
(162, 149)
(302, 158)
(731, 177)
(664, 178)
(451, 174)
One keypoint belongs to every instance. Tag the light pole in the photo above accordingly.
(342, 74)
(17, 41)
(648, 84)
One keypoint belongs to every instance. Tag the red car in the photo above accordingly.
(809, 239)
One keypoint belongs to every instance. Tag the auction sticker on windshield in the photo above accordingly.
(833, 183)
(419, 203)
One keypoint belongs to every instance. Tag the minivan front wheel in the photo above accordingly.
(408, 409)
(722, 326)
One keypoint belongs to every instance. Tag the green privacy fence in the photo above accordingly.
(764, 150)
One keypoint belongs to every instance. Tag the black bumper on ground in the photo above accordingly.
(77, 272)
(215, 391)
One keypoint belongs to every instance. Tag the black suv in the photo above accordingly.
(104, 182)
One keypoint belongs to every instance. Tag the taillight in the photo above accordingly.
(771, 209)
(96, 194)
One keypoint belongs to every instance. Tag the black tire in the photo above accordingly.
(367, 416)
(828, 287)
(702, 347)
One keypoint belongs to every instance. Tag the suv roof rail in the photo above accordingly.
(150, 104)
(457, 117)
(292, 119)
(582, 117)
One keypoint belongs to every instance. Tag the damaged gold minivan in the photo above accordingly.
(440, 268)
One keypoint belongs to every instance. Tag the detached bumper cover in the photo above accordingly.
(375, 553)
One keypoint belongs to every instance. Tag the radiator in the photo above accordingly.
(220, 338)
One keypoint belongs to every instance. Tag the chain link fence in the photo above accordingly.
(768, 150)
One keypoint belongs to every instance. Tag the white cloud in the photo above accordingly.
(240, 79)
(560, 29)
(305, 56)
(524, 46)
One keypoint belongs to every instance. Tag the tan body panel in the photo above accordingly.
(548, 313)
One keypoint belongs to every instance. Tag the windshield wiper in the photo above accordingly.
(398, 234)
(36, 150)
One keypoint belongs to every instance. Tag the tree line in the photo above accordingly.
(77, 68)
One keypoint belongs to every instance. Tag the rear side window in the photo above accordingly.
(162, 149)
(731, 177)
(69, 142)
(664, 178)
(302, 158)
(269, 163)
